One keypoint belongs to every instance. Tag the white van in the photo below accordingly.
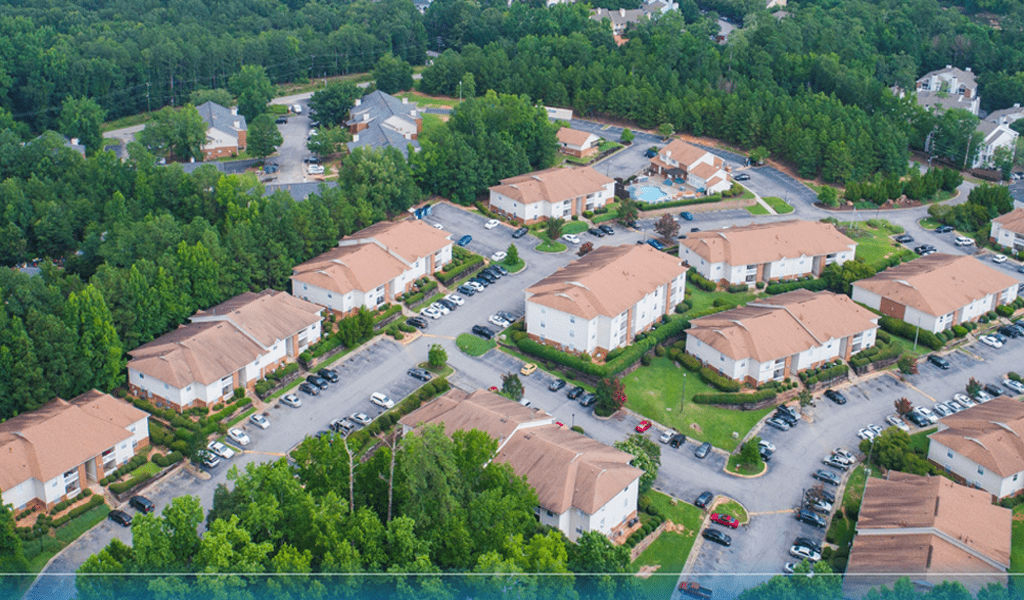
(297, 109)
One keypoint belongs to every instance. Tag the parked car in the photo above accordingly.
(938, 361)
(942, 410)
(806, 516)
(328, 374)
(844, 453)
(777, 423)
(309, 388)
(342, 426)
(441, 308)
(994, 390)
(656, 245)
(688, 216)
(455, 299)
(643, 426)
(766, 454)
(492, 224)
(726, 520)
(819, 505)
(498, 321)
(963, 241)
(421, 374)
(220, 449)
(417, 322)
(607, 229)
(466, 290)
(575, 392)
(943, 229)
(827, 477)
(465, 240)
(316, 169)
(1010, 331)
(120, 517)
(281, 120)
(999, 259)
(445, 302)
(917, 419)
(767, 444)
(311, 160)
(381, 400)
(1016, 386)
(804, 553)
(926, 413)
(835, 463)
(588, 399)
(594, 231)
(292, 400)
(499, 256)
(142, 504)
(431, 312)
(650, 153)
(361, 418)
(665, 436)
(238, 436)
(259, 420)
(866, 434)
(897, 422)
(788, 417)
(486, 276)
(528, 369)
(989, 340)
(704, 499)
(209, 459)
(478, 283)
(717, 536)
(835, 396)
(702, 450)
(742, 177)
(572, 239)
(484, 332)
(904, 239)
(518, 233)
(677, 440)
(318, 381)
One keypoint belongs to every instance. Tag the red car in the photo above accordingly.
(643, 426)
(727, 520)
(493, 388)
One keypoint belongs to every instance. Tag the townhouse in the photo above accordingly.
(551, 194)
(766, 252)
(696, 167)
(936, 292)
(232, 345)
(379, 120)
(372, 266)
(577, 143)
(226, 130)
(601, 301)
(50, 454)
(1008, 230)
(777, 337)
(582, 485)
(949, 88)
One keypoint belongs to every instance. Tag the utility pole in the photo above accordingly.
(460, 91)
(682, 401)
(917, 332)
(148, 109)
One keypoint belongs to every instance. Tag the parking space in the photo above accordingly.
(485, 242)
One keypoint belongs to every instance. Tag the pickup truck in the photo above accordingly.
(694, 590)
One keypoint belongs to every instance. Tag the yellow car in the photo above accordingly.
(528, 369)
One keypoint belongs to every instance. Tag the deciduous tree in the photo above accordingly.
(553, 227)
(437, 357)
(263, 137)
(333, 103)
(392, 75)
(667, 227)
(511, 386)
(252, 87)
(82, 118)
(646, 455)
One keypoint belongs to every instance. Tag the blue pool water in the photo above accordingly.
(647, 193)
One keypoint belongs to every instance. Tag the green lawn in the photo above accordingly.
(70, 531)
(606, 146)
(425, 100)
(150, 468)
(854, 491)
(473, 345)
(547, 246)
(608, 216)
(442, 371)
(734, 466)
(919, 441)
(655, 392)
(245, 415)
(574, 227)
(873, 244)
(908, 346)
(928, 223)
(431, 123)
(733, 508)
(514, 268)
(757, 209)
(1017, 541)
(671, 549)
(779, 205)
(702, 301)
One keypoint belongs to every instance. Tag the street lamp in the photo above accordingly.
(682, 401)
(573, 421)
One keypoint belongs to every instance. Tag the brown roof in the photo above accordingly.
(1012, 221)
(574, 137)
(482, 410)
(267, 316)
(782, 325)
(767, 242)
(685, 154)
(988, 434)
(910, 524)
(937, 284)
(552, 185)
(410, 239)
(197, 352)
(705, 171)
(61, 435)
(362, 267)
(606, 281)
(568, 469)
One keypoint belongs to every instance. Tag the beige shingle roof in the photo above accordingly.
(62, 435)
(767, 242)
(937, 284)
(362, 267)
(482, 410)
(196, 352)
(606, 281)
(1012, 221)
(681, 152)
(988, 434)
(783, 325)
(267, 316)
(574, 137)
(552, 185)
(410, 239)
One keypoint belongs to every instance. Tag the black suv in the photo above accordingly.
(806, 516)
(328, 374)
(1011, 331)
(318, 381)
(557, 385)
(596, 232)
(588, 399)
(484, 332)
(281, 120)
(487, 276)
(835, 396)
(607, 229)
(786, 417)
(421, 374)
(575, 392)
(120, 517)
(518, 233)
(904, 239)
(466, 290)
(677, 440)
(808, 543)
(994, 390)
(704, 499)
(142, 504)
(309, 388)
(417, 322)
(716, 535)
(938, 361)
(943, 229)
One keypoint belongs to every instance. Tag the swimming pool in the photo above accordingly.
(647, 193)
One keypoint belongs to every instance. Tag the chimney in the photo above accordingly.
(405, 100)
(1016, 104)
(622, 13)
(366, 117)
(668, 154)
(74, 141)
(359, 101)
(355, 137)
(234, 110)
(949, 66)
(238, 124)
(968, 69)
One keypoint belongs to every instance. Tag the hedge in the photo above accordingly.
(719, 381)
(1004, 310)
(124, 486)
(734, 398)
(447, 277)
(906, 330)
(394, 308)
(676, 203)
(698, 280)
(739, 288)
(814, 285)
(690, 362)
(78, 511)
(874, 354)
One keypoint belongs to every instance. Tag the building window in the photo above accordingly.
(981, 470)
(949, 454)
(142, 376)
(550, 514)
(1015, 476)
(572, 333)
(542, 324)
(572, 319)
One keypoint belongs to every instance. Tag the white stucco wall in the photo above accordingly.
(974, 474)
(576, 333)
(1005, 237)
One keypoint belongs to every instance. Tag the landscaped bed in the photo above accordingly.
(667, 555)
(473, 345)
(757, 209)
(778, 205)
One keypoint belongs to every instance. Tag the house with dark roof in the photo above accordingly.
(226, 130)
(582, 485)
(602, 300)
(780, 336)
(937, 292)
(949, 88)
(231, 345)
(983, 446)
(551, 194)
(378, 120)
(766, 251)
(930, 530)
(50, 454)
(372, 266)
(996, 134)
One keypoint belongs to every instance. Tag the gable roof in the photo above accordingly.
(552, 185)
(575, 137)
(767, 242)
(782, 325)
(218, 117)
(61, 435)
(988, 434)
(384, 114)
(1012, 221)
(1010, 114)
(268, 316)
(195, 353)
(606, 281)
(410, 239)
(363, 267)
(911, 524)
(937, 284)
(682, 152)
(482, 410)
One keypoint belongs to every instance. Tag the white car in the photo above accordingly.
(999, 258)
(313, 132)
(316, 169)
(876, 429)
(291, 400)
(498, 321)
(441, 308)
(220, 449)
(476, 286)
(492, 224)
(803, 552)
(665, 436)
(361, 418)
(260, 421)
(1014, 385)
(844, 453)
(381, 400)
(431, 312)
(962, 398)
(895, 421)
(866, 434)
(499, 256)
(927, 413)
(455, 299)
(297, 109)
(989, 340)
(963, 241)
(238, 436)
(981, 396)
(766, 444)
(572, 239)
(438, 226)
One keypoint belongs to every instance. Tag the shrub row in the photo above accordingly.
(165, 461)
(874, 354)
(66, 503)
(482, 207)
(391, 310)
(814, 285)
(410, 403)
(698, 280)
(719, 381)
(473, 264)
(675, 203)
(136, 461)
(906, 330)
(739, 288)
(734, 398)
(837, 369)
(124, 486)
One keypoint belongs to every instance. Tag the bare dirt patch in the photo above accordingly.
(647, 570)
